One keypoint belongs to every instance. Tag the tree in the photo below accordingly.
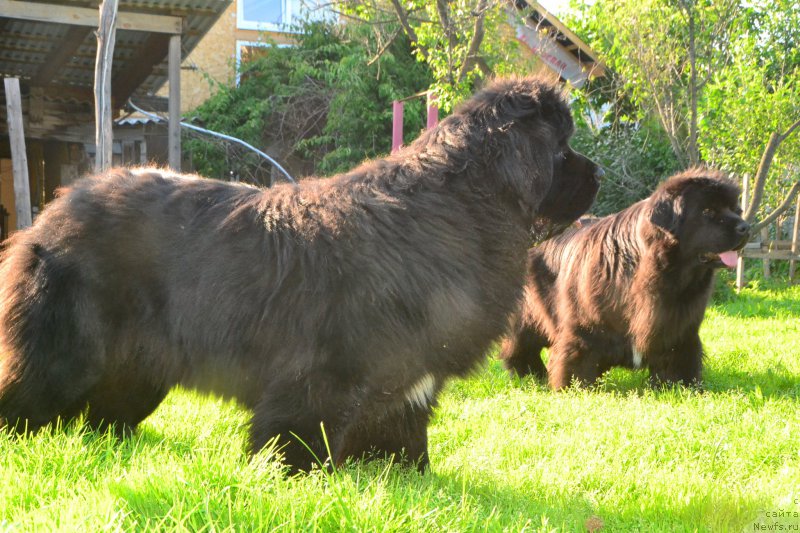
(666, 51)
(751, 110)
(447, 35)
(615, 130)
(722, 78)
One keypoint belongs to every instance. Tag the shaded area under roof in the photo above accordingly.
(51, 47)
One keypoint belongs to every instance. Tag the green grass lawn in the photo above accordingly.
(507, 455)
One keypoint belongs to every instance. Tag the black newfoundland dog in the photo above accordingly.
(630, 289)
(345, 301)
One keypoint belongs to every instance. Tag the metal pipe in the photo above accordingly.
(221, 136)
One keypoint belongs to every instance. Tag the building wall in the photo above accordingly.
(214, 57)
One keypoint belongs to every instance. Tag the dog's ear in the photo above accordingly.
(528, 119)
(526, 171)
(666, 211)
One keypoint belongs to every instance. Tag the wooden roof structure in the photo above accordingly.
(51, 47)
(558, 47)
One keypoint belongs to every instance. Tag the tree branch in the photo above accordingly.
(447, 26)
(790, 130)
(475, 43)
(383, 48)
(763, 169)
(786, 204)
(402, 17)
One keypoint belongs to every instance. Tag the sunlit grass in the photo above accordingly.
(507, 454)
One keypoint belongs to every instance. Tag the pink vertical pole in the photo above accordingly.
(397, 125)
(433, 110)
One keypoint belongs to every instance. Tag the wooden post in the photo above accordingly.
(106, 37)
(174, 128)
(433, 110)
(19, 159)
(397, 125)
(795, 238)
(765, 239)
(740, 261)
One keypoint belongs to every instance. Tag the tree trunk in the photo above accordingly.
(763, 170)
(691, 150)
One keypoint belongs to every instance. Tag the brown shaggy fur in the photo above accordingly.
(345, 301)
(630, 289)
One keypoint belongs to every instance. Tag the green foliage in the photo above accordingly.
(445, 36)
(614, 130)
(635, 156)
(323, 101)
(758, 95)
(748, 77)
(663, 52)
(742, 108)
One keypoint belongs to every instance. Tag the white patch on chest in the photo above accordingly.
(421, 393)
(637, 357)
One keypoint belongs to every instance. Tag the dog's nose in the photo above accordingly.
(742, 228)
(599, 173)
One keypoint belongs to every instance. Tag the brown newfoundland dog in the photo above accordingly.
(629, 289)
(345, 301)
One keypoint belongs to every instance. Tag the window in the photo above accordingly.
(247, 50)
(277, 15)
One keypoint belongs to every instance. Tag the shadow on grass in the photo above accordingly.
(778, 383)
(761, 301)
(772, 383)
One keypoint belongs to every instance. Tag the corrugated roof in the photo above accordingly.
(57, 59)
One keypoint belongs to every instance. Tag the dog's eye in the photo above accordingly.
(708, 212)
(562, 155)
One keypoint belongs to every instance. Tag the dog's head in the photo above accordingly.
(520, 128)
(698, 210)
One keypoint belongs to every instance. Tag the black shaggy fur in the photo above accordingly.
(344, 301)
(630, 289)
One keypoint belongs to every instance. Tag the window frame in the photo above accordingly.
(255, 44)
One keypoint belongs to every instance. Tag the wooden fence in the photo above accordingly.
(777, 242)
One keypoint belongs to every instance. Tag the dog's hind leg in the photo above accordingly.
(521, 353)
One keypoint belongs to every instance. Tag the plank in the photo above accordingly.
(19, 158)
(84, 16)
(174, 128)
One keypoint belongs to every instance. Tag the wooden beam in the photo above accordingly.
(765, 237)
(19, 159)
(174, 129)
(774, 255)
(106, 37)
(62, 53)
(36, 106)
(84, 16)
(67, 93)
(795, 240)
(151, 54)
(740, 261)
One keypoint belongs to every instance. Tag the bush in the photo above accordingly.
(325, 102)
(636, 158)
